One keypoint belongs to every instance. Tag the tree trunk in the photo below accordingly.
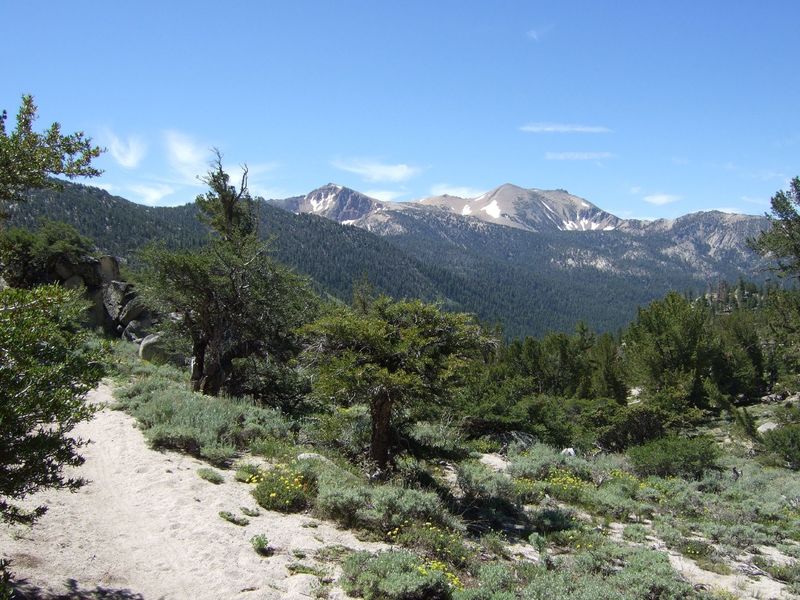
(208, 371)
(198, 365)
(381, 413)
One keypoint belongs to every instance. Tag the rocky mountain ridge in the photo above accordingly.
(530, 281)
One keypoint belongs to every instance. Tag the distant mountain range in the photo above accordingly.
(530, 260)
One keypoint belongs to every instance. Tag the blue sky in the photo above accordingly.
(647, 109)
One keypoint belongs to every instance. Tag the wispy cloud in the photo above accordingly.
(371, 170)
(578, 155)
(440, 189)
(385, 195)
(151, 194)
(128, 153)
(188, 158)
(635, 189)
(661, 199)
(538, 33)
(563, 128)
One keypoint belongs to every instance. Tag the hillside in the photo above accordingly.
(528, 281)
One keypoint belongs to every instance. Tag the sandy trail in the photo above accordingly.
(146, 526)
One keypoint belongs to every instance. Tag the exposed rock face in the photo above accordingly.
(115, 304)
(151, 350)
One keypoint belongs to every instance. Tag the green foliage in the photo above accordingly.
(234, 302)
(260, 544)
(668, 352)
(480, 484)
(550, 520)
(28, 259)
(781, 241)
(434, 542)
(393, 575)
(632, 426)
(46, 368)
(232, 518)
(675, 456)
(345, 498)
(540, 460)
(283, 489)
(214, 428)
(210, 475)
(635, 533)
(785, 441)
(397, 354)
(28, 159)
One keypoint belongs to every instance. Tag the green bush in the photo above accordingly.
(433, 541)
(283, 489)
(540, 460)
(393, 575)
(214, 428)
(785, 442)
(437, 439)
(232, 518)
(210, 475)
(550, 520)
(260, 544)
(675, 456)
(632, 426)
(479, 483)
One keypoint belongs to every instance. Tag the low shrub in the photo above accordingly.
(675, 456)
(786, 572)
(394, 575)
(540, 460)
(437, 439)
(635, 533)
(479, 483)
(495, 581)
(550, 520)
(247, 473)
(283, 489)
(232, 518)
(347, 429)
(260, 544)
(433, 541)
(210, 475)
(214, 428)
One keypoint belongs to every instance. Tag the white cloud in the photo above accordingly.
(537, 34)
(440, 189)
(188, 158)
(563, 128)
(103, 186)
(578, 155)
(384, 195)
(635, 189)
(661, 199)
(128, 153)
(151, 194)
(371, 170)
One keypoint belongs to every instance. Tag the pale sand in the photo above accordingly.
(146, 526)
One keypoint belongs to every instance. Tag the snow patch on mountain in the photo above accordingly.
(492, 209)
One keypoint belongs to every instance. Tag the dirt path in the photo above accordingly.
(146, 526)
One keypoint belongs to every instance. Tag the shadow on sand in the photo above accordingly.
(22, 590)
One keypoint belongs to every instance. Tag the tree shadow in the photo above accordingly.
(23, 590)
